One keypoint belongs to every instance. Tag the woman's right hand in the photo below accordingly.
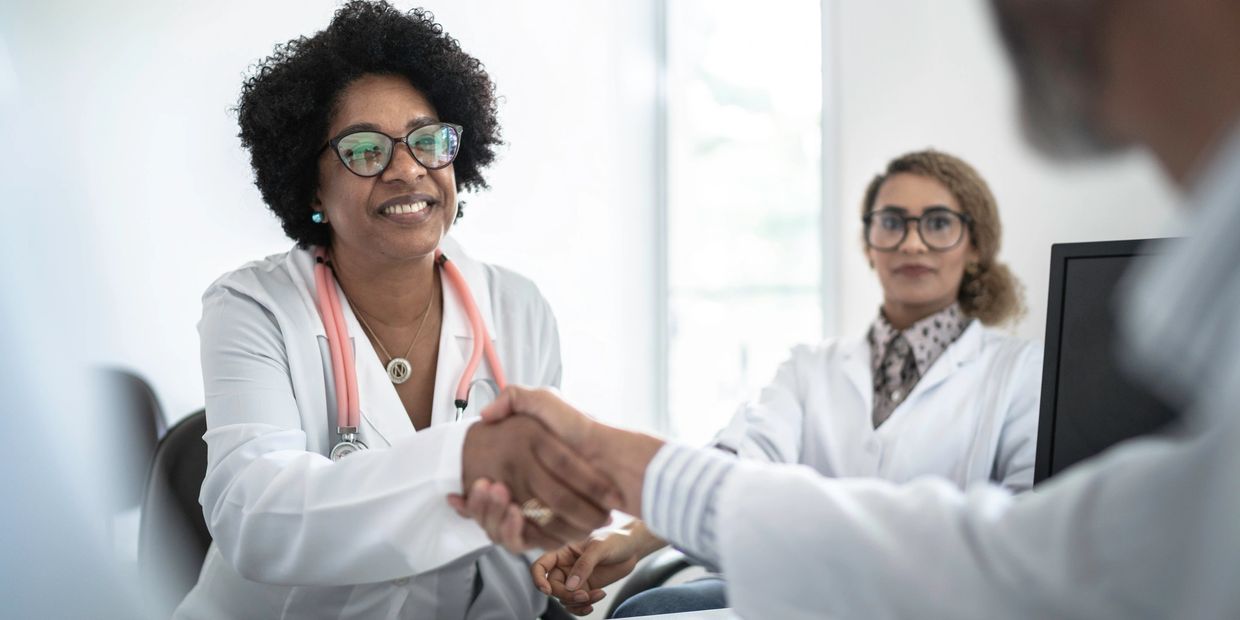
(576, 573)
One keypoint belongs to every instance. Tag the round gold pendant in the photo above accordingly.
(399, 370)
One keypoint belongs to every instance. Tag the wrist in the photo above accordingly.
(625, 456)
(644, 541)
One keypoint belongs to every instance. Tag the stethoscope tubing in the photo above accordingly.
(477, 326)
(344, 369)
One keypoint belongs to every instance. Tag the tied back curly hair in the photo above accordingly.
(989, 291)
(288, 100)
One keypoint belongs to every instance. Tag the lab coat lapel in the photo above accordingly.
(301, 271)
(966, 348)
(855, 362)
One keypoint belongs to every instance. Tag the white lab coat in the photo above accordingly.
(971, 418)
(1149, 529)
(371, 536)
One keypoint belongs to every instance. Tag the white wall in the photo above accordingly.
(920, 73)
(571, 207)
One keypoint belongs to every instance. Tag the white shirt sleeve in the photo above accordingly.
(769, 429)
(284, 515)
(679, 496)
(1018, 438)
(1141, 531)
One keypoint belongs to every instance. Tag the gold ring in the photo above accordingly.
(537, 512)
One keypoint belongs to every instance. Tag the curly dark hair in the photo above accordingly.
(288, 100)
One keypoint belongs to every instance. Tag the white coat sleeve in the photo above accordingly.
(283, 515)
(549, 341)
(1146, 530)
(770, 428)
(1018, 438)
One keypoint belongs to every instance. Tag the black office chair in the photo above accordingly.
(652, 572)
(137, 422)
(173, 537)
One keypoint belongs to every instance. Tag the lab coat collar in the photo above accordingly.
(1178, 313)
(965, 349)
(455, 321)
(856, 362)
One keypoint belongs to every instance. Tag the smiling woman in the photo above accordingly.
(341, 376)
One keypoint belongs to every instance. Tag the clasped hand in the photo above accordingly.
(578, 468)
(529, 463)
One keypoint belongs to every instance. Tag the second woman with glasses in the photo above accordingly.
(930, 389)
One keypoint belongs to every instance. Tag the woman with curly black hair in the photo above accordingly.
(341, 377)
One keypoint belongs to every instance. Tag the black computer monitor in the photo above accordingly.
(1088, 401)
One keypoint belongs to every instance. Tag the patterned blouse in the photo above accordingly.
(898, 359)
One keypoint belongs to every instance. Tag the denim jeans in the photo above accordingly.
(704, 593)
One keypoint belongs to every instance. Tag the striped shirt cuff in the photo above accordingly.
(679, 494)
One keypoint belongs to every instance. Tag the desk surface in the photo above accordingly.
(711, 614)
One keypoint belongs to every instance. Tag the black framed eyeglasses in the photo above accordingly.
(940, 228)
(368, 153)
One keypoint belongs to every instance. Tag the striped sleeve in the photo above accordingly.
(679, 495)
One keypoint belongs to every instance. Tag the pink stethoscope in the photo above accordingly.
(344, 372)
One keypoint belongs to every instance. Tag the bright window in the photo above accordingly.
(744, 255)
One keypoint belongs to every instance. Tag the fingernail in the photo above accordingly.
(573, 582)
(581, 596)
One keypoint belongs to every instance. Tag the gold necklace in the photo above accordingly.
(398, 368)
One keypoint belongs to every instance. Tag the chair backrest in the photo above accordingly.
(134, 415)
(173, 536)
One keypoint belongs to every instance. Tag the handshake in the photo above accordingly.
(539, 473)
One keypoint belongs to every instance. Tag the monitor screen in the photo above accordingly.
(1088, 401)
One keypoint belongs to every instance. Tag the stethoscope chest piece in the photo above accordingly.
(349, 443)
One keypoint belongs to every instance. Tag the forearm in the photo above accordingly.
(671, 487)
(266, 493)
(644, 542)
(624, 455)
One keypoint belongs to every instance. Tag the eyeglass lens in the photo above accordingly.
(368, 153)
(940, 229)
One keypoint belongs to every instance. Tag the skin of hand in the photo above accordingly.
(531, 462)
(576, 573)
(623, 455)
